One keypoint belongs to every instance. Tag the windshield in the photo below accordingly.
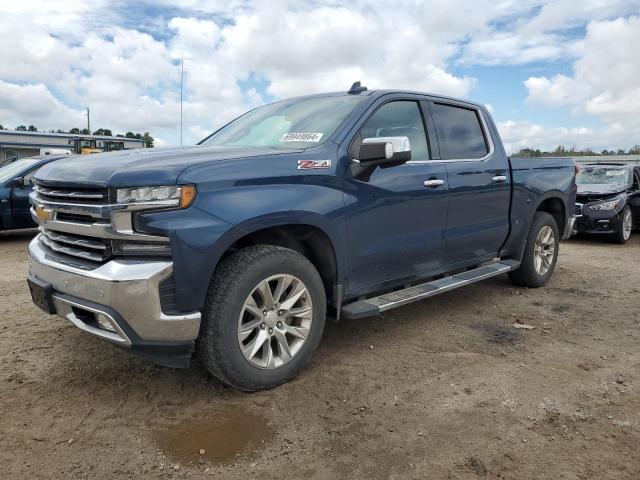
(302, 123)
(15, 169)
(603, 175)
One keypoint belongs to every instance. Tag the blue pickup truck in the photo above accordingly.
(342, 204)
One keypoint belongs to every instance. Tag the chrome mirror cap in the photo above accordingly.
(393, 144)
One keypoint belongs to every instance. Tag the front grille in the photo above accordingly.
(76, 218)
(88, 248)
(77, 227)
(93, 196)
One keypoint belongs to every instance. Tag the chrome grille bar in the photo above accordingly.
(68, 250)
(72, 240)
(70, 194)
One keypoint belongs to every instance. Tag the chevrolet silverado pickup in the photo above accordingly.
(342, 204)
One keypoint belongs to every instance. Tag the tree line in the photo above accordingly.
(146, 136)
(562, 151)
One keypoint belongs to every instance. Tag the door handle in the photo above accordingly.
(436, 182)
(499, 178)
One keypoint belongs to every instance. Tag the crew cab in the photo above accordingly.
(608, 200)
(15, 188)
(344, 204)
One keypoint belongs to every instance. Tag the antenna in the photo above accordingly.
(181, 83)
(356, 88)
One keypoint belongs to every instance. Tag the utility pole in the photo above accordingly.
(88, 122)
(181, 83)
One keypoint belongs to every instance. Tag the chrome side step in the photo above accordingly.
(376, 305)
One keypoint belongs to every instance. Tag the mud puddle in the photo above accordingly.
(222, 438)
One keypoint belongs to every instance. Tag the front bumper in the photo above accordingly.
(569, 228)
(125, 293)
(602, 222)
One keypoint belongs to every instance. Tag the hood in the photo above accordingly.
(596, 192)
(601, 189)
(144, 166)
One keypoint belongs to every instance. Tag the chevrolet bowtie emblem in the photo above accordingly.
(43, 213)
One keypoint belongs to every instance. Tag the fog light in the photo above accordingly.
(104, 323)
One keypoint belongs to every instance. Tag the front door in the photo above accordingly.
(397, 225)
(479, 183)
(20, 203)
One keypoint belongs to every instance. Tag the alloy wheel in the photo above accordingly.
(544, 250)
(275, 321)
(627, 224)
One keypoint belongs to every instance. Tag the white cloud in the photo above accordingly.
(517, 135)
(67, 55)
(557, 91)
(605, 82)
(22, 103)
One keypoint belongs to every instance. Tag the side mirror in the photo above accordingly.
(21, 182)
(385, 151)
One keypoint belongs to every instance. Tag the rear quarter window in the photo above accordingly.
(460, 134)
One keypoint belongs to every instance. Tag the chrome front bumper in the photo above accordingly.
(124, 291)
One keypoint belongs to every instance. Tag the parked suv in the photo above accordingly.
(350, 203)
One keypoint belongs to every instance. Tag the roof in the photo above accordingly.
(379, 93)
(67, 135)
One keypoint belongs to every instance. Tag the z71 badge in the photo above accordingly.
(313, 164)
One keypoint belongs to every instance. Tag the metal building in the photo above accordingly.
(18, 144)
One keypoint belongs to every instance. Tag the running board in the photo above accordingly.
(376, 305)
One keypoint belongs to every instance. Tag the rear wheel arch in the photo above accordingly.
(555, 206)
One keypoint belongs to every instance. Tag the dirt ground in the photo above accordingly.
(442, 389)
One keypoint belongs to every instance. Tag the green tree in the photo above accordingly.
(21, 128)
(148, 140)
(104, 132)
(75, 131)
(635, 150)
(32, 128)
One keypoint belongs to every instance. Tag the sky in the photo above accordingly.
(551, 72)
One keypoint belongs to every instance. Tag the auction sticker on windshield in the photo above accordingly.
(301, 137)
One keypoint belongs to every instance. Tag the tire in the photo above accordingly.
(528, 275)
(622, 235)
(221, 339)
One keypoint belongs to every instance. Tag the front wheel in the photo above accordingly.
(540, 253)
(264, 317)
(625, 227)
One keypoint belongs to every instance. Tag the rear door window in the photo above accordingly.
(460, 134)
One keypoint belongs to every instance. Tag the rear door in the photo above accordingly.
(478, 179)
(396, 222)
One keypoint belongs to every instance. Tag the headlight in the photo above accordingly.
(172, 196)
(610, 205)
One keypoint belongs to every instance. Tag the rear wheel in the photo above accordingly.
(625, 227)
(264, 317)
(540, 253)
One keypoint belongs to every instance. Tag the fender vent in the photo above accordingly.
(167, 292)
